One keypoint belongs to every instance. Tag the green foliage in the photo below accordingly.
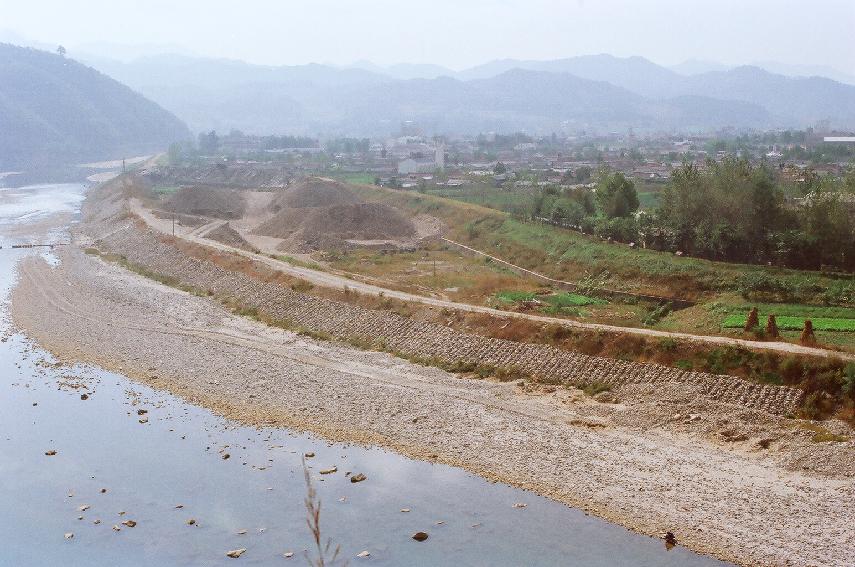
(616, 195)
(656, 314)
(736, 211)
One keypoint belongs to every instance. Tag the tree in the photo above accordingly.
(499, 168)
(209, 143)
(616, 196)
(175, 154)
(583, 174)
(61, 51)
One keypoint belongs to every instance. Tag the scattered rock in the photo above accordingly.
(84, 396)
(670, 539)
(226, 456)
(420, 536)
(83, 508)
(191, 522)
(103, 491)
(241, 532)
(288, 554)
(143, 420)
(363, 553)
(330, 470)
(116, 528)
(309, 455)
(129, 523)
(96, 522)
(405, 510)
(520, 505)
(50, 453)
(142, 411)
(235, 553)
(358, 477)
(69, 535)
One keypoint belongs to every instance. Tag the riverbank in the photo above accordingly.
(645, 463)
(93, 449)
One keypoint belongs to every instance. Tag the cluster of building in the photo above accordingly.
(412, 159)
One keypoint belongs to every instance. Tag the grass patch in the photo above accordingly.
(821, 434)
(595, 387)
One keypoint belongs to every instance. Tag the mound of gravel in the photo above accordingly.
(330, 227)
(361, 221)
(207, 202)
(313, 192)
(225, 234)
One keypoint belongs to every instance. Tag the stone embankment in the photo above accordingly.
(425, 340)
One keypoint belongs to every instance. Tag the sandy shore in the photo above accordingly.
(653, 461)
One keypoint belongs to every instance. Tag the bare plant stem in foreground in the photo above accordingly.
(313, 520)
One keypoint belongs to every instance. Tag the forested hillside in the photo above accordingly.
(54, 110)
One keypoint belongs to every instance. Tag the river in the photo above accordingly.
(127, 453)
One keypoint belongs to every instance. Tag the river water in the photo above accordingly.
(165, 467)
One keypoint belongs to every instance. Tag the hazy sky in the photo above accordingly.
(454, 33)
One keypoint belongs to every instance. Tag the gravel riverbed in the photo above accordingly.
(651, 460)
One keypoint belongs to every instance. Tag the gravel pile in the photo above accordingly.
(225, 234)
(207, 202)
(320, 214)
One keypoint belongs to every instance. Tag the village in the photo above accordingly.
(410, 159)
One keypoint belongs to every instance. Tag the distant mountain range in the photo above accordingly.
(593, 93)
(54, 110)
(597, 92)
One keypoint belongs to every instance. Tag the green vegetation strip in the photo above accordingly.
(790, 323)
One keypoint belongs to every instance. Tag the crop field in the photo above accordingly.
(791, 323)
(563, 303)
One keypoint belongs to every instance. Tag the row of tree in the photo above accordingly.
(730, 210)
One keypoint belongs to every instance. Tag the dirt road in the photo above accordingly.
(326, 279)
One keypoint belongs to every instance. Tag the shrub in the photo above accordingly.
(595, 387)
(849, 380)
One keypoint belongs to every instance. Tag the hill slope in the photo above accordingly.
(55, 110)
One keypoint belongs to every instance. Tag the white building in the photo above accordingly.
(411, 166)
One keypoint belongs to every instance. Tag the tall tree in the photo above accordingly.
(616, 195)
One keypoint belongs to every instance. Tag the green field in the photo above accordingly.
(364, 178)
(164, 190)
(790, 323)
(563, 303)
